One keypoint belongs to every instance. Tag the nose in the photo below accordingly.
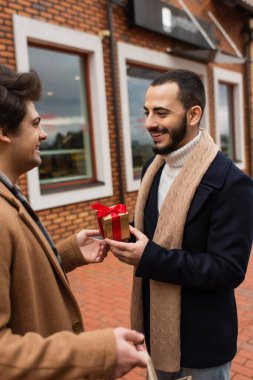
(150, 122)
(42, 134)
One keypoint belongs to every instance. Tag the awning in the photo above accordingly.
(213, 53)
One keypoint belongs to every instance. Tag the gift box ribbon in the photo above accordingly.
(114, 211)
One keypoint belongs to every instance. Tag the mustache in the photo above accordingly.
(157, 129)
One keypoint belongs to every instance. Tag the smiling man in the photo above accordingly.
(41, 327)
(194, 231)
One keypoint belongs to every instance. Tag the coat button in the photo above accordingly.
(77, 327)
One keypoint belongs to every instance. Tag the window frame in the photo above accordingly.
(65, 185)
(234, 79)
(132, 54)
(27, 31)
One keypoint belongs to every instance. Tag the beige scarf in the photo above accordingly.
(165, 298)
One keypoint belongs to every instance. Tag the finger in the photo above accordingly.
(117, 244)
(107, 247)
(124, 260)
(119, 254)
(102, 255)
(133, 336)
(92, 233)
(104, 249)
(138, 234)
(143, 358)
(140, 347)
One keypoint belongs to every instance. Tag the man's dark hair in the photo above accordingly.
(15, 90)
(191, 89)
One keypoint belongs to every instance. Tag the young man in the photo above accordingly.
(194, 230)
(41, 328)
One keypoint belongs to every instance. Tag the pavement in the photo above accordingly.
(103, 293)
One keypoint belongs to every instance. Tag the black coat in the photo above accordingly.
(213, 260)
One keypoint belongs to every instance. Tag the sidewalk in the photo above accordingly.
(103, 292)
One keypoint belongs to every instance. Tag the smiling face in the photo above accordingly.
(169, 124)
(21, 151)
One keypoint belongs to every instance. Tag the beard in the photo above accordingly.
(177, 135)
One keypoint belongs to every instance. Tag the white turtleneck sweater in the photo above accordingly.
(174, 162)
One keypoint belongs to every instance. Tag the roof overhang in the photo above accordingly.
(206, 55)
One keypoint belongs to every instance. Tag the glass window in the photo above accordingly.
(226, 119)
(67, 152)
(229, 114)
(138, 81)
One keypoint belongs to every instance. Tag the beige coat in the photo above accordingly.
(41, 328)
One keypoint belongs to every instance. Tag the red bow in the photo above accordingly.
(114, 211)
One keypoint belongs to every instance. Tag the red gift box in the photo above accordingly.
(113, 221)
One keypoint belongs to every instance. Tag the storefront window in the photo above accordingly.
(67, 152)
(138, 81)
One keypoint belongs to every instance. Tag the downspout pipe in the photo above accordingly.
(115, 97)
(249, 97)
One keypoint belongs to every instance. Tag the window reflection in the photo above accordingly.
(67, 153)
(226, 120)
(138, 81)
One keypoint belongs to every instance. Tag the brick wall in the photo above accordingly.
(91, 17)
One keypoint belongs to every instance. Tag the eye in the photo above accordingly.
(36, 124)
(162, 114)
(146, 113)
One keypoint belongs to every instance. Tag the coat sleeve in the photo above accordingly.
(64, 355)
(223, 264)
(70, 253)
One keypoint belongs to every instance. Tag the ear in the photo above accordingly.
(195, 114)
(3, 136)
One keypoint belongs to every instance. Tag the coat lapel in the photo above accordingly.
(151, 209)
(26, 218)
(43, 241)
(212, 180)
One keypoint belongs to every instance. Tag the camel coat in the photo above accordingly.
(41, 328)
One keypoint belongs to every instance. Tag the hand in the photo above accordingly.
(93, 250)
(129, 253)
(129, 351)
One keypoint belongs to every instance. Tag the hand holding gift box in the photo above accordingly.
(113, 221)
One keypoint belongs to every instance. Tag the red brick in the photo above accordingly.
(238, 376)
(240, 359)
(243, 370)
(249, 363)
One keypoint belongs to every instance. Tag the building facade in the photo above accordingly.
(96, 60)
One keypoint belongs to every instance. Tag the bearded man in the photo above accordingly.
(194, 231)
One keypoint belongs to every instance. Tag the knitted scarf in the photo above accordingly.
(165, 298)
